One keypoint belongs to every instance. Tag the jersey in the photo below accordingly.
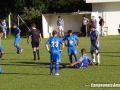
(71, 40)
(3, 24)
(54, 43)
(84, 61)
(93, 37)
(60, 22)
(0, 50)
(35, 34)
(16, 31)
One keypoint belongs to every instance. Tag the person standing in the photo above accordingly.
(101, 23)
(93, 21)
(54, 51)
(60, 24)
(17, 38)
(36, 38)
(4, 27)
(85, 21)
(94, 49)
(71, 45)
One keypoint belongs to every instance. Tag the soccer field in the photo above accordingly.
(22, 73)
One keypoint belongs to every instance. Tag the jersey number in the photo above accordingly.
(54, 44)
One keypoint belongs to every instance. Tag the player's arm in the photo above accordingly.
(78, 42)
(47, 47)
(64, 39)
(93, 64)
(63, 23)
(40, 38)
(29, 37)
(63, 45)
(72, 64)
(97, 39)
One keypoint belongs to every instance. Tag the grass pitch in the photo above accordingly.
(22, 73)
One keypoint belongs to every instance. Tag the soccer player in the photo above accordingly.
(36, 38)
(72, 45)
(17, 39)
(83, 62)
(54, 50)
(60, 24)
(94, 37)
(4, 27)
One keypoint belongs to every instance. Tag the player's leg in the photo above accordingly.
(74, 51)
(51, 63)
(37, 50)
(62, 31)
(34, 49)
(92, 53)
(57, 60)
(5, 34)
(70, 54)
(97, 54)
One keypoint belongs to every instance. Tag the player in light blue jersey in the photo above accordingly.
(94, 38)
(83, 62)
(72, 45)
(17, 39)
(4, 27)
(55, 50)
(60, 24)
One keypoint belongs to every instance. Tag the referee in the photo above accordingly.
(36, 38)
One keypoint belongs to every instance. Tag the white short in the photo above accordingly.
(60, 28)
(93, 48)
(4, 31)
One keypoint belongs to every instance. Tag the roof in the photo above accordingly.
(101, 1)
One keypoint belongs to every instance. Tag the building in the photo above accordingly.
(110, 11)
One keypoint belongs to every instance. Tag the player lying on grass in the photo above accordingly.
(83, 62)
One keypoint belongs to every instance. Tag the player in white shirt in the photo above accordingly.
(4, 27)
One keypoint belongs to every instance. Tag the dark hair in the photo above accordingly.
(92, 26)
(83, 15)
(99, 16)
(33, 25)
(69, 31)
(54, 32)
(14, 25)
(83, 50)
(59, 17)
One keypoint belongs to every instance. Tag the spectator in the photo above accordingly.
(101, 23)
(85, 21)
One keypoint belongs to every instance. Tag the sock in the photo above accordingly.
(51, 67)
(37, 51)
(93, 57)
(18, 47)
(34, 54)
(56, 67)
(70, 58)
(5, 36)
(76, 58)
(98, 57)
(63, 34)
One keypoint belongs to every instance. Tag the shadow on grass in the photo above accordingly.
(111, 55)
(23, 73)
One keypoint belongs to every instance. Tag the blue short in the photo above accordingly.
(72, 50)
(55, 57)
(17, 40)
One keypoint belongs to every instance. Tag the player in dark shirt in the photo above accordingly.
(36, 38)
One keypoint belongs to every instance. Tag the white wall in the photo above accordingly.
(72, 22)
(100, 1)
(111, 15)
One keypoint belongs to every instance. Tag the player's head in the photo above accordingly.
(33, 25)
(83, 51)
(59, 17)
(14, 25)
(92, 27)
(83, 16)
(54, 33)
(99, 17)
(93, 17)
(70, 32)
(4, 20)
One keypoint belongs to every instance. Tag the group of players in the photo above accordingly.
(53, 46)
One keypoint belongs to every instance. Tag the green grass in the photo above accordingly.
(22, 73)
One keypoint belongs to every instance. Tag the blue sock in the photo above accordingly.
(51, 67)
(70, 58)
(56, 67)
(76, 58)
(18, 47)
